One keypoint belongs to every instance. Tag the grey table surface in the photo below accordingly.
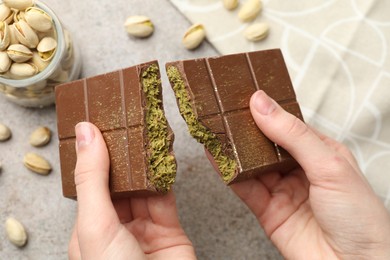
(217, 223)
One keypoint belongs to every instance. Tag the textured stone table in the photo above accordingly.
(217, 223)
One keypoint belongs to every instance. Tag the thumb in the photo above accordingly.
(91, 176)
(317, 159)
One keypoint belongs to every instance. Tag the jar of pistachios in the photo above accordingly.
(36, 53)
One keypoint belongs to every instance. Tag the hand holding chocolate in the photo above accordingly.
(213, 97)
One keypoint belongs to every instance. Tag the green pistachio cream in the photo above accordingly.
(162, 164)
(227, 166)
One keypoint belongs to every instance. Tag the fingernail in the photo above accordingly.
(84, 134)
(263, 103)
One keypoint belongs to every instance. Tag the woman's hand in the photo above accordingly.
(134, 228)
(324, 210)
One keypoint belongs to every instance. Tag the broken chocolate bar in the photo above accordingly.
(213, 97)
(126, 106)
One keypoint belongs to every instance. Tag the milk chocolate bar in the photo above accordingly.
(213, 97)
(126, 106)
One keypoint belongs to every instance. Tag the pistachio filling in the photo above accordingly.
(227, 166)
(162, 165)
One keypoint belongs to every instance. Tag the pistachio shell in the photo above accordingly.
(5, 133)
(23, 70)
(40, 137)
(5, 62)
(15, 232)
(19, 53)
(38, 19)
(250, 10)
(46, 48)
(41, 64)
(194, 36)
(230, 4)
(139, 26)
(5, 12)
(18, 4)
(37, 163)
(25, 34)
(256, 32)
(4, 36)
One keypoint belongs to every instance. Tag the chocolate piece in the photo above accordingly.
(213, 97)
(126, 106)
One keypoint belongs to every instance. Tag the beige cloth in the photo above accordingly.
(338, 56)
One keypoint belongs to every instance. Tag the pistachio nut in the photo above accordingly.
(5, 132)
(46, 48)
(38, 62)
(5, 62)
(15, 232)
(37, 163)
(18, 4)
(25, 34)
(38, 19)
(12, 35)
(139, 26)
(4, 36)
(230, 4)
(250, 10)
(194, 36)
(256, 32)
(19, 53)
(23, 70)
(5, 12)
(40, 136)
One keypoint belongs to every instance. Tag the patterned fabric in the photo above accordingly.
(338, 55)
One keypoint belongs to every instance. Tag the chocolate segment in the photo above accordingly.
(213, 96)
(126, 106)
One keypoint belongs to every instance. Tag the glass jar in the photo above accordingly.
(38, 90)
